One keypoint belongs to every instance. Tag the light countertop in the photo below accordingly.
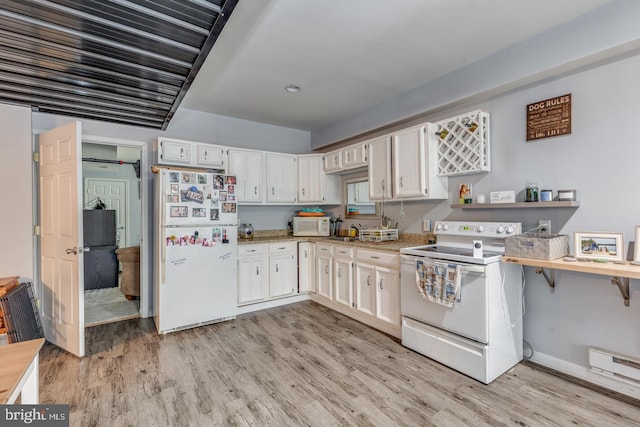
(405, 240)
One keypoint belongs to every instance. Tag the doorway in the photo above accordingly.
(111, 185)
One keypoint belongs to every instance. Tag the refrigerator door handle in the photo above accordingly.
(163, 255)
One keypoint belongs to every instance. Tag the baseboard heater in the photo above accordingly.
(616, 366)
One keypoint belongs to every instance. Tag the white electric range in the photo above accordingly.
(481, 336)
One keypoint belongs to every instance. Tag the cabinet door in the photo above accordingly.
(388, 298)
(324, 274)
(282, 180)
(252, 281)
(310, 179)
(306, 267)
(343, 282)
(333, 161)
(283, 275)
(212, 156)
(409, 163)
(247, 167)
(174, 152)
(380, 168)
(355, 156)
(365, 289)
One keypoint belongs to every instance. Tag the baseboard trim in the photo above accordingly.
(585, 374)
(272, 303)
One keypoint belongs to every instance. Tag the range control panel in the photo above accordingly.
(477, 229)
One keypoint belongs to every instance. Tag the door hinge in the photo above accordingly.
(36, 156)
(36, 230)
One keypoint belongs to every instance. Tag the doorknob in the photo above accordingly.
(85, 249)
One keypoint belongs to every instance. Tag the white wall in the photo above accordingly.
(610, 32)
(16, 208)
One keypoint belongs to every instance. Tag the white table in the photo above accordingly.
(19, 372)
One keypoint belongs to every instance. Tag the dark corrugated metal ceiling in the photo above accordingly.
(123, 61)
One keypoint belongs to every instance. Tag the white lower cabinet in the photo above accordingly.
(267, 271)
(343, 275)
(365, 300)
(388, 295)
(253, 274)
(306, 267)
(360, 283)
(283, 269)
(324, 270)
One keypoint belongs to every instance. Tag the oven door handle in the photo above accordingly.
(479, 270)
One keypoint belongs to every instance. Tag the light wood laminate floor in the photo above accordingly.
(296, 365)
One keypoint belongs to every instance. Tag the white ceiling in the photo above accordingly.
(349, 55)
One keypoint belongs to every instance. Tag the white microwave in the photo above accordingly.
(311, 226)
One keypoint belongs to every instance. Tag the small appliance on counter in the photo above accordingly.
(311, 226)
(245, 231)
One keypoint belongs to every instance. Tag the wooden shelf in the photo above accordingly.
(517, 205)
(620, 273)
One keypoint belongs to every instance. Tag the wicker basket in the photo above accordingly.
(544, 246)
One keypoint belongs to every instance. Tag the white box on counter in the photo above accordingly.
(503, 196)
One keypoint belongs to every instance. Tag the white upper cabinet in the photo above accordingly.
(310, 179)
(346, 159)
(282, 182)
(211, 156)
(380, 168)
(189, 153)
(314, 185)
(355, 156)
(403, 166)
(333, 161)
(246, 165)
(174, 152)
(415, 172)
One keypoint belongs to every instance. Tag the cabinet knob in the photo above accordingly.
(257, 271)
(368, 280)
(255, 190)
(401, 183)
(380, 284)
(273, 191)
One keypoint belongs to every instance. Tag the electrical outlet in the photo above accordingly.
(544, 225)
(426, 225)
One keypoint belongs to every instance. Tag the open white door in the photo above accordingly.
(61, 267)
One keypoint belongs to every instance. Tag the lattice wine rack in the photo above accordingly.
(463, 144)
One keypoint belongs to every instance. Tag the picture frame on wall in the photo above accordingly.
(636, 248)
(600, 246)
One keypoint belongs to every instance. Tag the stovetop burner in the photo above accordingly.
(456, 240)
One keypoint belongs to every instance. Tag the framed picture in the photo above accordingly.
(605, 246)
(567, 195)
(636, 247)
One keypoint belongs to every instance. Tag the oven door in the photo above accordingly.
(468, 318)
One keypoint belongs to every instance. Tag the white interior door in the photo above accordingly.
(61, 268)
(113, 192)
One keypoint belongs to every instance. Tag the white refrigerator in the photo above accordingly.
(195, 277)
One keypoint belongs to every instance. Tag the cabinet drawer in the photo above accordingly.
(275, 248)
(343, 251)
(324, 249)
(249, 250)
(379, 258)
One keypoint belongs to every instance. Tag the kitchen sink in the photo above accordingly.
(342, 238)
